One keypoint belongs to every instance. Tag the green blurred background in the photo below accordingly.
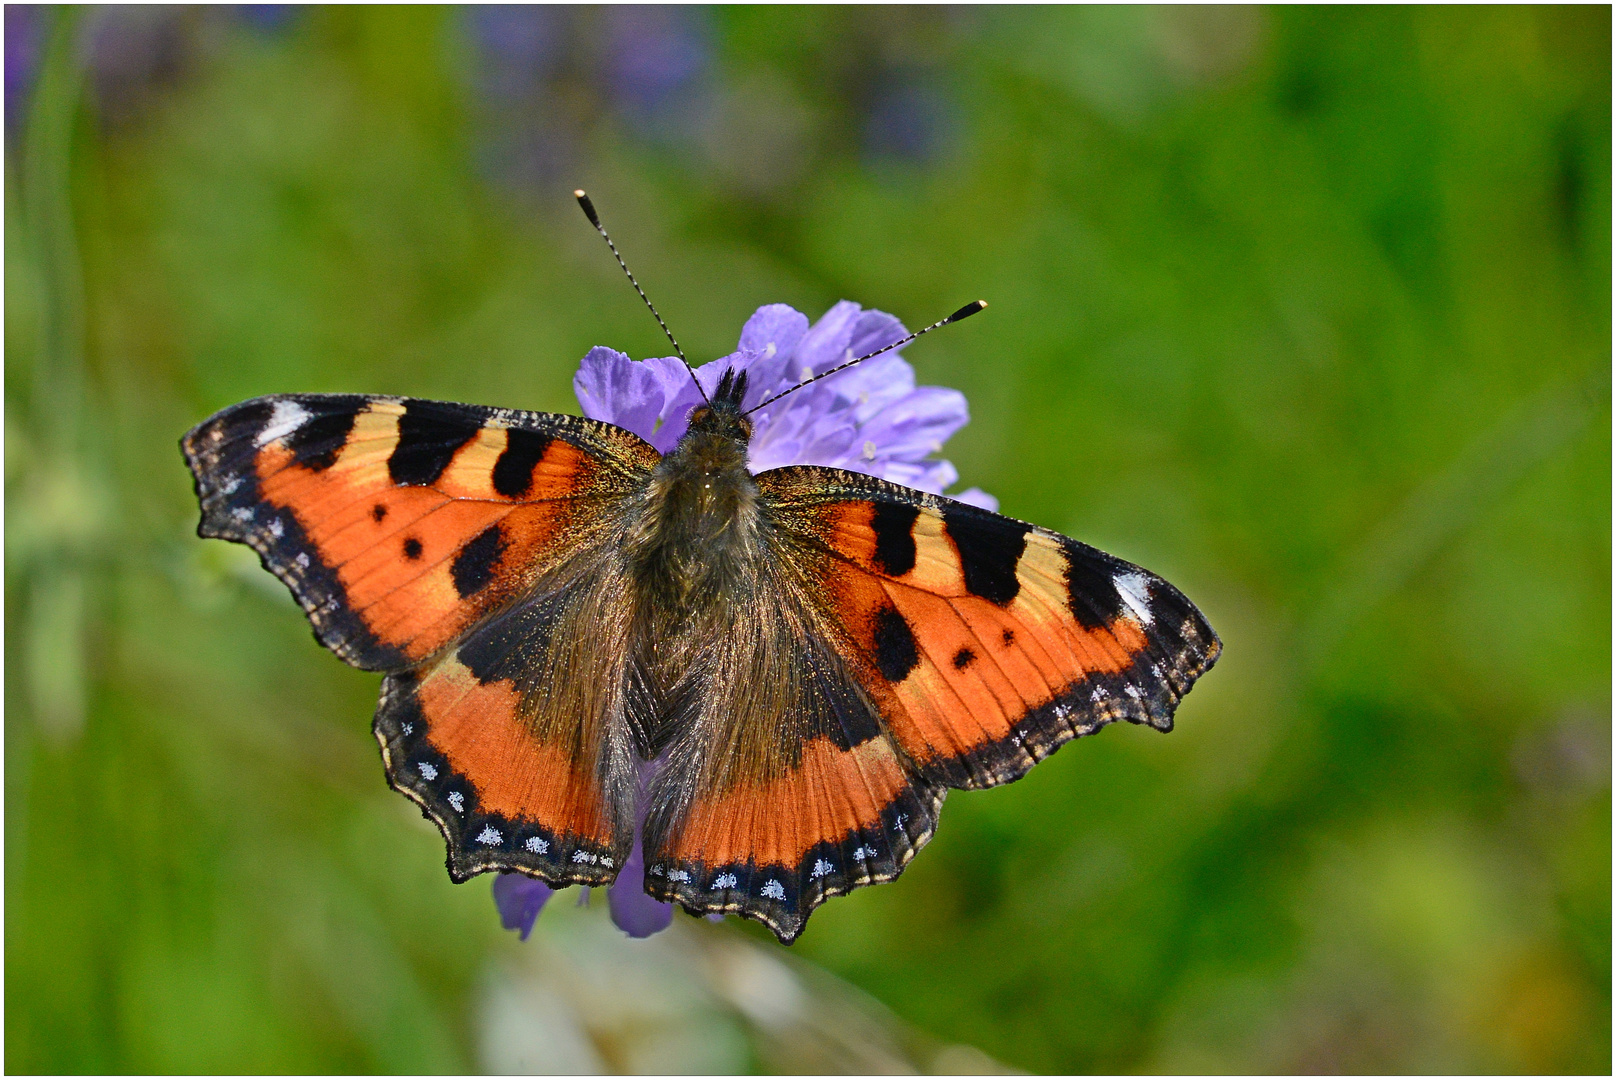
(1306, 309)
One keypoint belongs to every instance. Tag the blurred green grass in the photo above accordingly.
(1306, 309)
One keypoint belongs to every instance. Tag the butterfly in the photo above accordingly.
(774, 678)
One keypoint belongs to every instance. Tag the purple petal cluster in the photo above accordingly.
(871, 418)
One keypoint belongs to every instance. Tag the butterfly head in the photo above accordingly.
(722, 415)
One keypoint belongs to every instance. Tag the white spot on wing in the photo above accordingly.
(276, 529)
(428, 770)
(287, 418)
(490, 836)
(1135, 590)
(458, 801)
(537, 845)
(724, 881)
(408, 729)
(302, 560)
(229, 487)
(864, 853)
(678, 875)
(821, 868)
(773, 890)
(657, 871)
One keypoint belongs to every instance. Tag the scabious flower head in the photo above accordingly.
(871, 418)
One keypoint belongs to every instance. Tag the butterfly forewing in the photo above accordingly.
(398, 523)
(986, 642)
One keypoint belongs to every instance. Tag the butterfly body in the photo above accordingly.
(771, 680)
(701, 513)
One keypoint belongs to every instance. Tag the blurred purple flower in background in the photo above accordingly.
(909, 122)
(135, 53)
(25, 39)
(269, 19)
(871, 418)
(553, 85)
(523, 53)
(656, 63)
(519, 46)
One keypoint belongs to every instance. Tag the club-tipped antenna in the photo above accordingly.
(594, 219)
(963, 313)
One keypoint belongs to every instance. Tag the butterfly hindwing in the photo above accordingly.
(398, 523)
(987, 643)
(780, 787)
(514, 741)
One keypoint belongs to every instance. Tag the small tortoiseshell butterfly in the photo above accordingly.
(802, 662)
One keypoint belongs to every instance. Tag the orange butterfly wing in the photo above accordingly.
(988, 643)
(396, 522)
(417, 534)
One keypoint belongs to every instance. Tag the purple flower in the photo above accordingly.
(871, 418)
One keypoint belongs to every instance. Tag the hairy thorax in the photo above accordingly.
(699, 524)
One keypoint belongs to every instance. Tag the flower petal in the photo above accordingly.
(932, 476)
(773, 330)
(874, 384)
(613, 388)
(680, 396)
(827, 341)
(875, 330)
(917, 424)
(635, 913)
(520, 899)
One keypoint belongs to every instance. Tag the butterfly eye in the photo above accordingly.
(700, 415)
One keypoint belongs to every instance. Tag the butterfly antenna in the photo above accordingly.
(963, 313)
(594, 219)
